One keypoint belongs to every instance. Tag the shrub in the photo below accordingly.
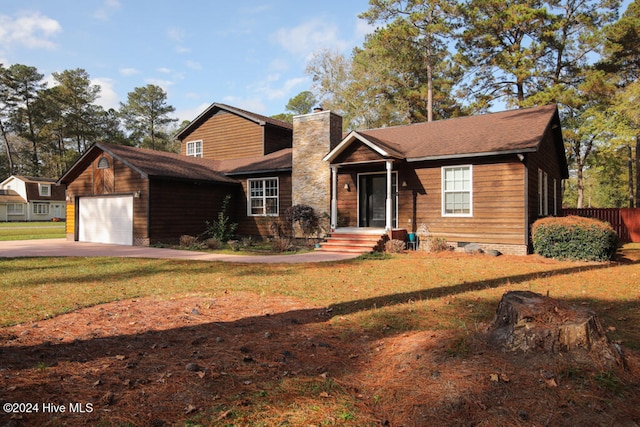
(438, 244)
(282, 244)
(222, 228)
(574, 238)
(213, 243)
(190, 242)
(394, 246)
(302, 215)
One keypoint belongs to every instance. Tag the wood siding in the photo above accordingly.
(181, 207)
(260, 225)
(227, 136)
(545, 159)
(498, 204)
(498, 201)
(357, 153)
(276, 138)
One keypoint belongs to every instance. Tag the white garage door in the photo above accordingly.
(106, 220)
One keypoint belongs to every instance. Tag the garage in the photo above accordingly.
(106, 220)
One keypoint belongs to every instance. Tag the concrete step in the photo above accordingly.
(350, 242)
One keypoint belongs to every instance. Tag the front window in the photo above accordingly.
(194, 149)
(44, 190)
(15, 209)
(40, 208)
(263, 197)
(457, 193)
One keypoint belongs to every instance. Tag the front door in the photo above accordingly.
(372, 195)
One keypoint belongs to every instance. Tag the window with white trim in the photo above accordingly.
(262, 197)
(40, 209)
(15, 209)
(457, 191)
(44, 190)
(194, 148)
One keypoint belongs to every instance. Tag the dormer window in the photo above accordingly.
(44, 190)
(194, 148)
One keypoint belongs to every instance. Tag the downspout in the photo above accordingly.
(388, 209)
(526, 201)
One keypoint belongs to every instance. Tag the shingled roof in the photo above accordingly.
(152, 164)
(10, 196)
(514, 131)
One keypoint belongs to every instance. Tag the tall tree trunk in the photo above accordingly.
(429, 81)
(580, 177)
(7, 147)
(630, 174)
(637, 170)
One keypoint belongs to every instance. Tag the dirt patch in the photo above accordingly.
(243, 359)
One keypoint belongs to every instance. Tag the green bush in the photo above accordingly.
(222, 229)
(574, 238)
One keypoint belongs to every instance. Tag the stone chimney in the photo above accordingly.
(314, 135)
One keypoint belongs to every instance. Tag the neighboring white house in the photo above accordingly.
(25, 198)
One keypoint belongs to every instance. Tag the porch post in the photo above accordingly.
(388, 212)
(334, 197)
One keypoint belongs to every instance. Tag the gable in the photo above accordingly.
(227, 136)
(358, 152)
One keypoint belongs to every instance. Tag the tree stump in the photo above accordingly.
(529, 322)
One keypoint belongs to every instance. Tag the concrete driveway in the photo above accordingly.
(63, 247)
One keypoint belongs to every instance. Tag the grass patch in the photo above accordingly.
(370, 301)
(402, 293)
(31, 230)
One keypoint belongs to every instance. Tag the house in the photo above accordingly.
(25, 198)
(125, 195)
(479, 179)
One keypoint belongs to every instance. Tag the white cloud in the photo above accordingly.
(272, 89)
(194, 65)
(128, 71)
(164, 84)
(191, 113)
(108, 97)
(250, 104)
(308, 37)
(176, 34)
(31, 30)
(108, 8)
(363, 29)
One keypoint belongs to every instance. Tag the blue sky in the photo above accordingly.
(248, 53)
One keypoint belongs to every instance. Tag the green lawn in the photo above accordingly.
(369, 299)
(31, 230)
(400, 290)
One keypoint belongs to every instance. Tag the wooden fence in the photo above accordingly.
(625, 221)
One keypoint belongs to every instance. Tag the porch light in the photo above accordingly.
(404, 184)
(346, 186)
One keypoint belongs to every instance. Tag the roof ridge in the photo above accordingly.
(491, 113)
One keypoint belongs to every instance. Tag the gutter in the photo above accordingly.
(471, 155)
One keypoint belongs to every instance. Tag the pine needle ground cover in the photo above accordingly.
(363, 342)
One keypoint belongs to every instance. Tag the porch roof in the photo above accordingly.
(514, 131)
